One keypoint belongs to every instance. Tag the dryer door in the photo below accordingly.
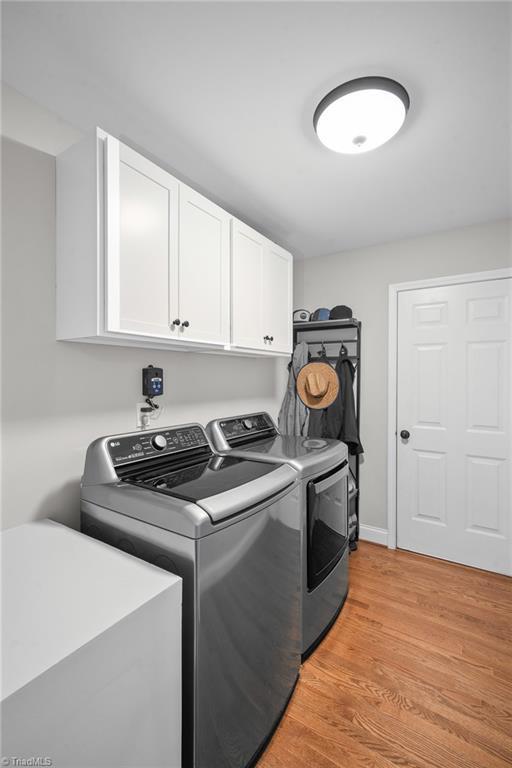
(327, 522)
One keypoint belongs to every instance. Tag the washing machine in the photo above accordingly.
(230, 527)
(323, 469)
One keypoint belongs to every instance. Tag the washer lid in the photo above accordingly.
(201, 479)
(308, 455)
(222, 485)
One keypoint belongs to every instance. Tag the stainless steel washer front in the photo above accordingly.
(241, 580)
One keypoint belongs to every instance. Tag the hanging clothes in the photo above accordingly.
(293, 417)
(339, 420)
(316, 423)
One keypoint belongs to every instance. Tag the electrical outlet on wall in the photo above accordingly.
(143, 417)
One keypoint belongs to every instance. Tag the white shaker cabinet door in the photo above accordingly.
(203, 269)
(276, 298)
(141, 244)
(247, 255)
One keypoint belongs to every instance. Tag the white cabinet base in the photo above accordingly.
(91, 643)
(113, 703)
(120, 340)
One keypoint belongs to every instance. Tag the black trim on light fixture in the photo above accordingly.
(362, 84)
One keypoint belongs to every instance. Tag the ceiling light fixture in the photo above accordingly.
(361, 114)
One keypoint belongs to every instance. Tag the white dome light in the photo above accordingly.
(361, 115)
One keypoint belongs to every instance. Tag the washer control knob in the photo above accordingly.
(247, 424)
(159, 442)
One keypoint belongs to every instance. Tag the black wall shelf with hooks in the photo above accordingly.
(325, 338)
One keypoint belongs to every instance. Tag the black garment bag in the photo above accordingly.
(339, 420)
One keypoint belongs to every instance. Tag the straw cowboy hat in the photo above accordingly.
(317, 385)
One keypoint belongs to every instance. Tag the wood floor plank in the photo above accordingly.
(446, 634)
(416, 672)
(425, 699)
(417, 593)
(376, 713)
(425, 703)
(356, 753)
(463, 675)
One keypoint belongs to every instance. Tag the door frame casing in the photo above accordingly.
(394, 290)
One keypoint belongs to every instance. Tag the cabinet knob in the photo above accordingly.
(185, 323)
(266, 338)
(176, 322)
(271, 338)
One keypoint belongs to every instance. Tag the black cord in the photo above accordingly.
(151, 404)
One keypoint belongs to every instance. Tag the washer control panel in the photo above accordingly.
(247, 426)
(126, 449)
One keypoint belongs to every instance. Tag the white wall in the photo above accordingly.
(58, 396)
(27, 122)
(360, 279)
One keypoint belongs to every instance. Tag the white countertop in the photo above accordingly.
(61, 589)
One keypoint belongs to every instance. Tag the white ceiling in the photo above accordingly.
(224, 93)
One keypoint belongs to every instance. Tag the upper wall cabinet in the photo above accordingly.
(143, 259)
(261, 298)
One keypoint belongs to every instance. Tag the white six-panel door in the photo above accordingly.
(454, 398)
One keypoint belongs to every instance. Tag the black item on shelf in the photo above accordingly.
(340, 312)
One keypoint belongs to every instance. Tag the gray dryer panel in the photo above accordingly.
(309, 456)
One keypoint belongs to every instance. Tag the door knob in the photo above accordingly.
(176, 322)
(185, 323)
(404, 434)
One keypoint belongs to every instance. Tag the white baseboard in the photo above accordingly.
(373, 534)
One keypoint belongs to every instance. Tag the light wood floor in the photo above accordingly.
(416, 672)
